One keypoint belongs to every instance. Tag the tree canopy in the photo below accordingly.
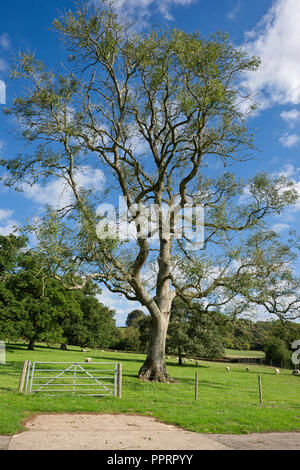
(37, 307)
(160, 113)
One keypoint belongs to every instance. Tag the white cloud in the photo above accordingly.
(245, 197)
(5, 46)
(2, 92)
(231, 15)
(5, 41)
(289, 171)
(3, 65)
(280, 227)
(58, 193)
(7, 223)
(120, 304)
(164, 6)
(90, 178)
(289, 140)
(290, 116)
(8, 228)
(136, 142)
(143, 9)
(55, 193)
(5, 214)
(276, 40)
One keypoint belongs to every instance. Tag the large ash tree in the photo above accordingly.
(161, 113)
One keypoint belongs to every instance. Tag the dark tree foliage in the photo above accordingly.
(193, 332)
(94, 327)
(133, 317)
(36, 307)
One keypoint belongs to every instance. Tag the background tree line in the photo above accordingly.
(195, 333)
(37, 308)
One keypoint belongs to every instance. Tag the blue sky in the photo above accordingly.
(268, 28)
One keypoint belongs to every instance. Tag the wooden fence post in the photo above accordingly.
(119, 380)
(196, 386)
(23, 375)
(260, 390)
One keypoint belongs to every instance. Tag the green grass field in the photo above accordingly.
(232, 353)
(228, 402)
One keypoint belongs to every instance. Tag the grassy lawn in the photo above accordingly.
(232, 353)
(228, 402)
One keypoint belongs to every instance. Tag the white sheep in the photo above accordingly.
(228, 368)
(277, 371)
(84, 350)
(88, 359)
(296, 372)
(247, 369)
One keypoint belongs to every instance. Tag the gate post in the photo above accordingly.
(119, 380)
(23, 375)
(27, 377)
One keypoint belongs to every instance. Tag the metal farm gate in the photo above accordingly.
(80, 378)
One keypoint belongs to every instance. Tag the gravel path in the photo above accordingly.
(132, 432)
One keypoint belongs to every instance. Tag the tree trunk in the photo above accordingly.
(154, 369)
(179, 355)
(31, 345)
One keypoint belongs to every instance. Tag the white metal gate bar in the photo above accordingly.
(27, 375)
(95, 378)
(76, 386)
(49, 381)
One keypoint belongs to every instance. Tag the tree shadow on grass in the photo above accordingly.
(141, 361)
(187, 366)
(12, 347)
(114, 359)
(39, 347)
(10, 367)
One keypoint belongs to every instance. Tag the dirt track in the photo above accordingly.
(132, 432)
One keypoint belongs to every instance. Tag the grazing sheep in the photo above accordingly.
(84, 350)
(185, 361)
(277, 371)
(197, 363)
(247, 369)
(228, 368)
(88, 359)
(296, 372)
